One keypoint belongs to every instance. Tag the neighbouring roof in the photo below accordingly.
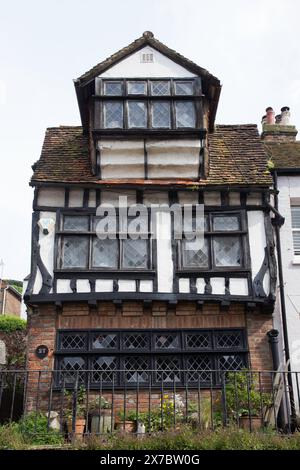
(285, 155)
(236, 157)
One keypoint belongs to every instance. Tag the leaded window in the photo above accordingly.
(113, 114)
(221, 247)
(106, 358)
(158, 104)
(79, 246)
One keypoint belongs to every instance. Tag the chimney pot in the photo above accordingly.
(270, 119)
(285, 116)
(277, 119)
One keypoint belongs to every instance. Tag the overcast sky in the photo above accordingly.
(253, 47)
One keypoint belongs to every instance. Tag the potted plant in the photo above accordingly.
(101, 416)
(246, 403)
(126, 422)
(76, 412)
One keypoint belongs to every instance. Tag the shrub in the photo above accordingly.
(34, 429)
(9, 323)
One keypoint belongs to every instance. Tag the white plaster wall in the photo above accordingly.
(63, 286)
(212, 198)
(83, 285)
(51, 197)
(38, 282)
(200, 285)
(257, 241)
(112, 197)
(238, 286)
(164, 252)
(122, 159)
(156, 197)
(92, 198)
(218, 285)
(234, 198)
(188, 197)
(173, 158)
(289, 188)
(133, 67)
(184, 285)
(146, 286)
(126, 285)
(46, 242)
(104, 285)
(76, 197)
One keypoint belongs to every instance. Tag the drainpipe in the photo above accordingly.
(277, 224)
(273, 341)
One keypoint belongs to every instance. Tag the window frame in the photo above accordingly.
(296, 253)
(242, 233)
(182, 353)
(91, 233)
(124, 98)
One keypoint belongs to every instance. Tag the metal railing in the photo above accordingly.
(85, 402)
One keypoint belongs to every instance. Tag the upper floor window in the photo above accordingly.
(295, 210)
(222, 247)
(157, 104)
(79, 247)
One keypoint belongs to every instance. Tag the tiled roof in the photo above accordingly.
(146, 39)
(285, 155)
(236, 157)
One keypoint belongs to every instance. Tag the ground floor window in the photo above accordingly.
(168, 358)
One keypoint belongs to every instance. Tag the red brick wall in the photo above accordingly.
(44, 322)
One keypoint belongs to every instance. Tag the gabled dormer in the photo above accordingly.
(149, 94)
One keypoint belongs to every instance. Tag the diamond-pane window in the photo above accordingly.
(198, 340)
(136, 88)
(136, 369)
(105, 253)
(184, 88)
(135, 341)
(75, 252)
(137, 114)
(226, 222)
(71, 370)
(227, 251)
(135, 253)
(77, 223)
(113, 114)
(103, 369)
(161, 114)
(199, 368)
(194, 257)
(167, 369)
(185, 114)
(160, 88)
(229, 340)
(166, 341)
(73, 341)
(231, 362)
(104, 341)
(113, 88)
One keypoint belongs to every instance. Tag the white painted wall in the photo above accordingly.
(257, 241)
(289, 188)
(133, 67)
(164, 252)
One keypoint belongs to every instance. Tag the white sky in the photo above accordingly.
(253, 47)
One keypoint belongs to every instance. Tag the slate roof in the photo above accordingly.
(285, 155)
(236, 157)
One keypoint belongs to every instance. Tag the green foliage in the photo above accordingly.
(187, 439)
(81, 400)
(243, 395)
(30, 430)
(9, 323)
(99, 403)
(34, 428)
(14, 283)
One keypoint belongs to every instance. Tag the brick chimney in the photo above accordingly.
(278, 128)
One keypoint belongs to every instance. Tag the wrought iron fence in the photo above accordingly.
(73, 404)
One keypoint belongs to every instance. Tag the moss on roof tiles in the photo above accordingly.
(236, 157)
(284, 154)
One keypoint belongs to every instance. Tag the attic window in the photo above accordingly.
(147, 58)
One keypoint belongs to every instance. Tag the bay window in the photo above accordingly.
(181, 357)
(141, 104)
